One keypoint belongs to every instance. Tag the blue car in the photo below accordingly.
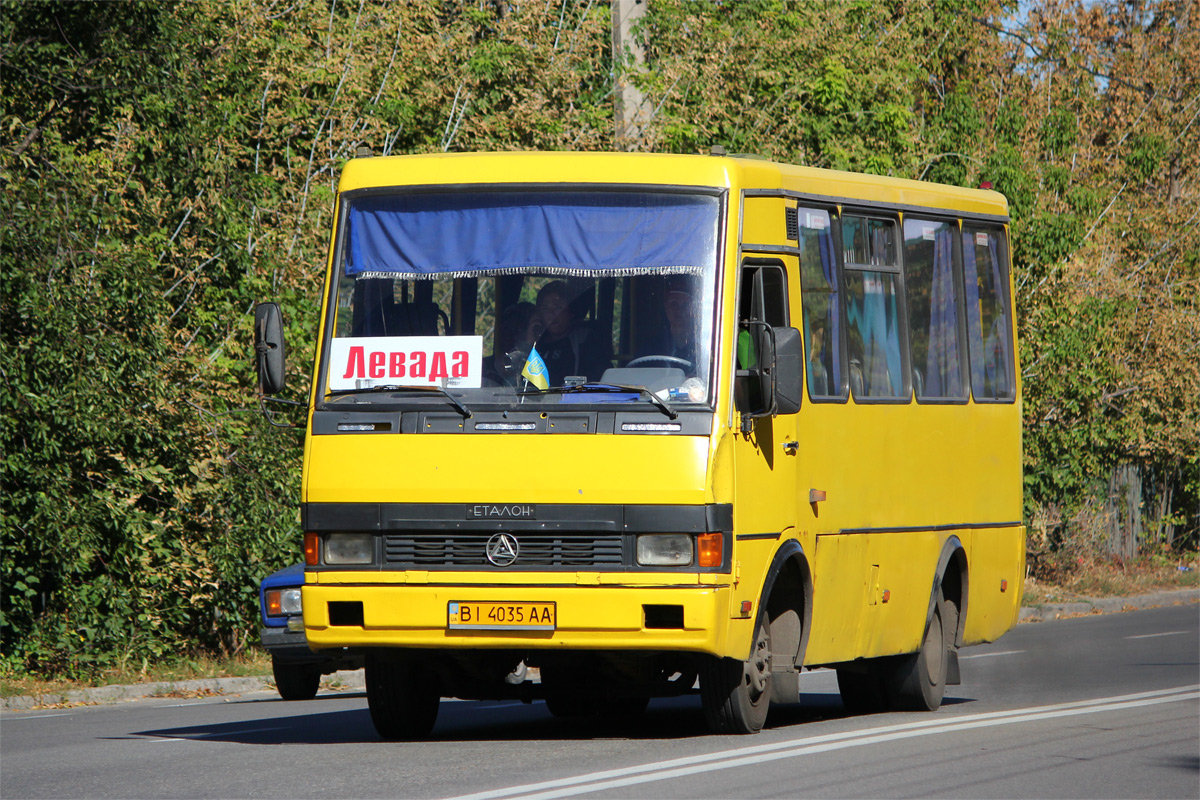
(297, 669)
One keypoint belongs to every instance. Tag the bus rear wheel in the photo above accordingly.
(917, 682)
(736, 695)
(403, 699)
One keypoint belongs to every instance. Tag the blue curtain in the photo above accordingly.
(996, 348)
(833, 340)
(942, 378)
(990, 356)
(569, 233)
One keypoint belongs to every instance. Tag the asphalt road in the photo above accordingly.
(1101, 706)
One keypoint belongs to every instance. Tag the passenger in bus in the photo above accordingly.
(503, 368)
(567, 347)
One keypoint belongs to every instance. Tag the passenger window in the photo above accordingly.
(868, 242)
(931, 288)
(877, 368)
(821, 306)
(989, 330)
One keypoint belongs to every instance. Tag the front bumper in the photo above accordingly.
(589, 617)
(287, 645)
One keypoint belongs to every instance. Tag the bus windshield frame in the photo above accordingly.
(529, 296)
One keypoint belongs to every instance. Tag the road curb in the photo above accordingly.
(1107, 605)
(352, 680)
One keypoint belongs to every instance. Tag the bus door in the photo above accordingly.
(766, 448)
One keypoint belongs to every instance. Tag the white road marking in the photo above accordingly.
(745, 756)
(1156, 635)
(14, 718)
(990, 655)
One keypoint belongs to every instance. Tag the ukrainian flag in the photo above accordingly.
(535, 371)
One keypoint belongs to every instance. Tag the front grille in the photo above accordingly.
(468, 550)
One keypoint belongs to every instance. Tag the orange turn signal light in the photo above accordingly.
(274, 603)
(711, 546)
(311, 548)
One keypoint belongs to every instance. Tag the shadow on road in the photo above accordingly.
(665, 719)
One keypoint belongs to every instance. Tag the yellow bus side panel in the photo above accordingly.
(995, 556)
(909, 466)
(839, 598)
(853, 575)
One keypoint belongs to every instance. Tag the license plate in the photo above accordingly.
(465, 616)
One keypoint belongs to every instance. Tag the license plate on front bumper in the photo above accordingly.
(469, 616)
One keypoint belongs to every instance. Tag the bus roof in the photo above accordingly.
(728, 172)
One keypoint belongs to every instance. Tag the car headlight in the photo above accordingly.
(349, 548)
(664, 550)
(283, 601)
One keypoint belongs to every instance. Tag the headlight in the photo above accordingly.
(664, 550)
(349, 548)
(289, 599)
(283, 601)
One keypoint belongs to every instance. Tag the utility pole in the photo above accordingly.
(630, 111)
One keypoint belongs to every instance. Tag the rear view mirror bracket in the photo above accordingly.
(779, 373)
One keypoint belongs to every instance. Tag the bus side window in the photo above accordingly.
(932, 287)
(821, 306)
(873, 313)
(989, 330)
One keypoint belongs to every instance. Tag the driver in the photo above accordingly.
(679, 337)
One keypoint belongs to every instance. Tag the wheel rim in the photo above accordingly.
(758, 668)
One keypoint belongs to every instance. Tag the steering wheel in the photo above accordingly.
(672, 360)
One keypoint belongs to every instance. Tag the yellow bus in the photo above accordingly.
(593, 428)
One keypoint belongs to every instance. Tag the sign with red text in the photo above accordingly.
(446, 361)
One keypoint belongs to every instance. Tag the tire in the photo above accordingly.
(570, 690)
(736, 695)
(402, 698)
(296, 681)
(862, 692)
(917, 682)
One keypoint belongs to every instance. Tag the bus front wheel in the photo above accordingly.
(296, 681)
(402, 698)
(736, 695)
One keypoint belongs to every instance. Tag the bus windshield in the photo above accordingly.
(530, 296)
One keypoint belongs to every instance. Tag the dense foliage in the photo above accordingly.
(164, 166)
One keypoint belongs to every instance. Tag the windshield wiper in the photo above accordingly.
(663, 405)
(458, 405)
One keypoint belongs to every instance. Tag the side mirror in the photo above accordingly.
(765, 340)
(789, 370)
(269, 350)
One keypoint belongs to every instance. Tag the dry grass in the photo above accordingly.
(1092, 578)
(255, 662)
